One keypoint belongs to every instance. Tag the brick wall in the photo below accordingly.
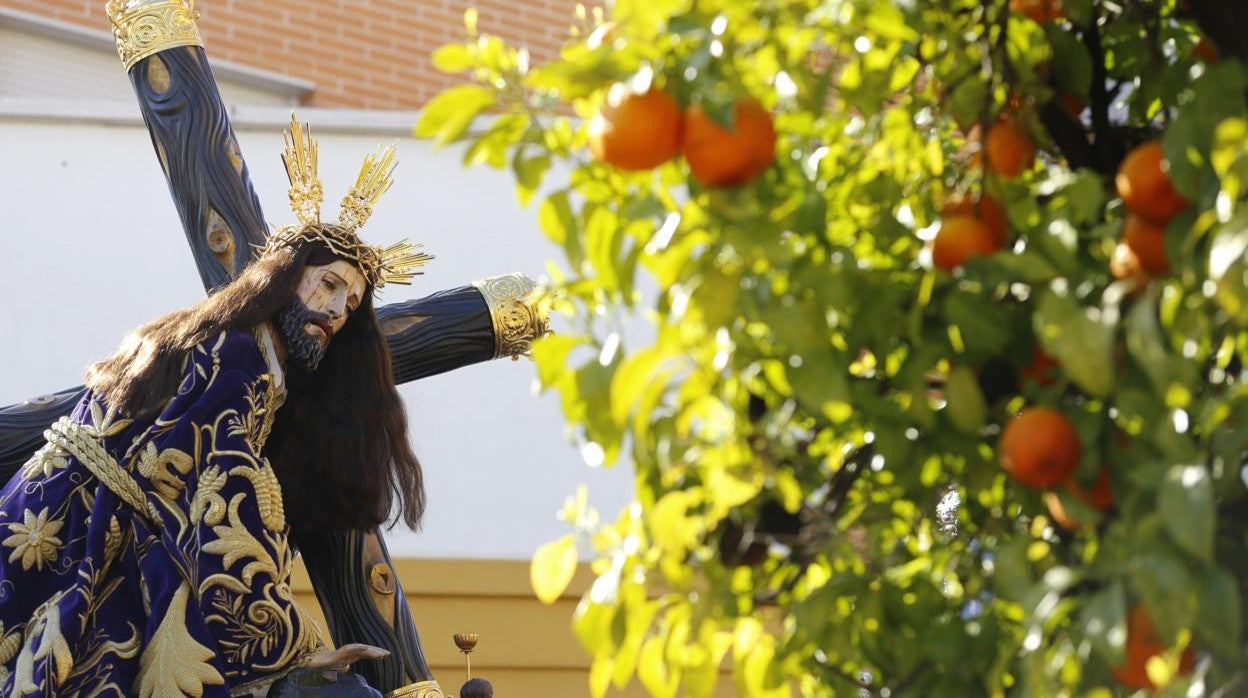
(365, 54)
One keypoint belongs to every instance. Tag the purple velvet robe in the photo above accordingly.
(189, 597)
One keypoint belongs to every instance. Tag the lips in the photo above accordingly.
(324, 326)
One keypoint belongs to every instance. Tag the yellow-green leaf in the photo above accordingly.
(552, 569)
(447, 116)
(452, 58)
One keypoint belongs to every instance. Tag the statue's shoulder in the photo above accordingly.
(232, 350)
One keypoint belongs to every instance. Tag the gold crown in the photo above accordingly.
(396, 264)
(145, 27)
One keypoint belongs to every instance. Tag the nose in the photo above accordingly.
(337, 311)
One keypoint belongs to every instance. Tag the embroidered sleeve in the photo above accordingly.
(221, 510)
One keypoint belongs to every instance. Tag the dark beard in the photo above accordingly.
(301, 347)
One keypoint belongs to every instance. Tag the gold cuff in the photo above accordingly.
(420, 689)
(517, 322)
(145, 27)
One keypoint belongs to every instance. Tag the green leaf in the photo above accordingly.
(1229, 157)
(821, 384)
(1103, 622)
(1219, 622)
(1012, 569)
(1085, 198)
(671, 524)
(1145, 345)
(652, 670)
(1167, 589)
(633, 378)
(529, 172)
(1080, 338)
(552, 569)
(604, 238)
(1072, 66)
(492, 146)
(596, 612)
(452, 58)
(551, 355)
(556, 218)
(447, 116)
(983, 323)
(964, 401)
(1186, 502)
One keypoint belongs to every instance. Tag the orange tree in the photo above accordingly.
(1018, 470)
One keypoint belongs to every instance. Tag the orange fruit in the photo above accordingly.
(719, 157)
(636, 131)
(959, 239)
(989, 212)
(1039, 447)
(1125, 265)
(1042, 369)
(1147, 241)
(1100, 497)
(1142, 645)
(1144, 184)
(1010, 149)
(1038, 10)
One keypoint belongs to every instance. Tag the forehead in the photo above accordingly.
(344, 270)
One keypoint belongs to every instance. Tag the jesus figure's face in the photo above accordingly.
(332, 291)
(326, 296)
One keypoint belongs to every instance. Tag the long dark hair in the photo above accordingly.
(339, 442)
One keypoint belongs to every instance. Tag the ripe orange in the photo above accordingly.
(1125, 265)
(990, 213)
(1038, 10)
(1010, 149)
(1144, 184)
(1148, 241)
(719, 157)
(636, 131)
(1039, 447)
(959, 239)
(1142, 645)
(1100, 497)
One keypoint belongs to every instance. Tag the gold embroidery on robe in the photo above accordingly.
(173, 663)
(34, 541)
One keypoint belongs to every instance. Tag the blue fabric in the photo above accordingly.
(193, 599)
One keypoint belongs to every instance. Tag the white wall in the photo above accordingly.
(92, 247)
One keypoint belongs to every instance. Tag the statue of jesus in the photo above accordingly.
(145, 549)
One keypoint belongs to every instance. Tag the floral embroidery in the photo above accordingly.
(46, 461)
(34, 540)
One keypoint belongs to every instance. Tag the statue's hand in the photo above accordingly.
(326, 675)
(344, 656)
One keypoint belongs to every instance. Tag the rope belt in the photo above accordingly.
(83, 443)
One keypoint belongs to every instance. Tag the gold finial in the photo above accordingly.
(466, 642)
(396, 264)
(376, 176)
(144, 27)
(299, 156)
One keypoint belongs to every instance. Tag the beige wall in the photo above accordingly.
(526, 648)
